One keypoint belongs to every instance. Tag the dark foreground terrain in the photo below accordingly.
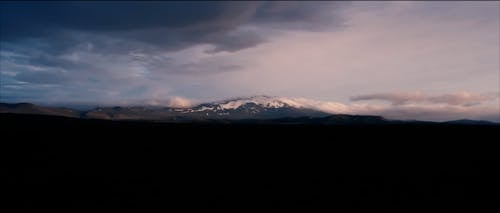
(57, 164)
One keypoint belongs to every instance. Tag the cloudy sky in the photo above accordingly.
(408, 60)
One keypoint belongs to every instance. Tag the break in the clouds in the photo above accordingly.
(331, 52)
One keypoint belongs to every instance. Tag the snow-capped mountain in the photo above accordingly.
(255, 107)
(262, 101)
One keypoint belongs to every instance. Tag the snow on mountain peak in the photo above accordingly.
(264, 101)
(276, 102)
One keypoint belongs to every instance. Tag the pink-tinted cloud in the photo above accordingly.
(455, 99)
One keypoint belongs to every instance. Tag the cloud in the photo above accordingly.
(395, 99)
(430, 112)
(324, 106)
(163, 100)
(165, 25)
(426, 111)
(441, 107)
(42, 77)
(461, 99)
(236, 41)
(110, 16)
(179, 102)
(304, 15)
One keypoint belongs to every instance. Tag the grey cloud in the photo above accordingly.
(33, 17)
(83, 75)
(85, 65)
(394, 98)
(461, 99)
(162, 70)
(308, 15)
(465, 99)
(42, 77)
(165, 25)
(115, 26)
(114, 16)
(236, 41)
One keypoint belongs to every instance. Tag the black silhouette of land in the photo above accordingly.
(71, 164)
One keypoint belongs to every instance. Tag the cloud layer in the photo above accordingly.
(461, 99)
(443, 107)
(415, 106)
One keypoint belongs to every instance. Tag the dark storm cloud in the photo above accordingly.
(304, 15)
(29, 18)
(169, 25)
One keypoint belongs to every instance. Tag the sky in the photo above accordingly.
(405, 60)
